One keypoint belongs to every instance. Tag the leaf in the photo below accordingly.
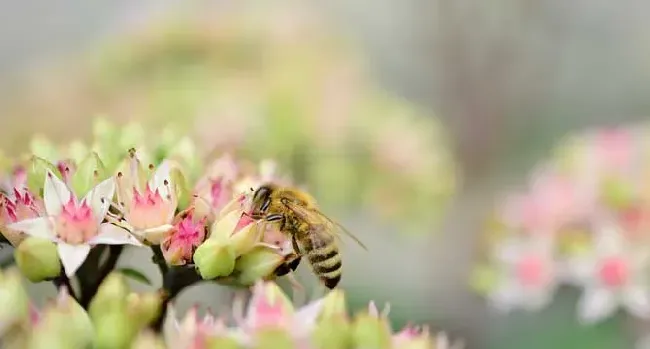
(135, 275)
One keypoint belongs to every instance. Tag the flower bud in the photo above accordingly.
(36, 169)
(89, 172)
(221, 342)
(111, 295)
(63, 324)
(332, 333)
(617, 193)
(225, 226)
(187, 235)
(148, 340)
(334, 305)
(245, 240)
(14, 304)
(370, 332)
(143, 308)
(214, 258)
(38, 259)
(273, 338)
(258, 264)
(114, 330)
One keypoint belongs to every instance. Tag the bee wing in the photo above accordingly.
(316, 217)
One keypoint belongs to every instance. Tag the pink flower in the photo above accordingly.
(179, 245)
(192, 332)
(21, 205)
(75, 226)
(215, 189)
(270, 308)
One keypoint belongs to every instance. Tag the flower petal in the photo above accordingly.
(55, 194)
(41, 227)
(155, 235)
(507, 296)
(596, 304)
(160, 177)
(72, 256)
(99, 198)
(305, 318)
(110, 234)
(637, 301)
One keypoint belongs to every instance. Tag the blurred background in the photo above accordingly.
(406, 119)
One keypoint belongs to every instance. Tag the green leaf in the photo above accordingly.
(135, 275)
(89, 172)
(36, 169)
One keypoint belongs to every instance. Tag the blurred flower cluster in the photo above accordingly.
(258, 78)
(119, 318)
(583, 221)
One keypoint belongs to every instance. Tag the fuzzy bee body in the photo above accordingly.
(313, 235)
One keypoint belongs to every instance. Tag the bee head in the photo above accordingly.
(261, 200)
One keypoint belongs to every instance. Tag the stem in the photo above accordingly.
(174, 281)
(63, 281)
(159, 259)
(87, 294)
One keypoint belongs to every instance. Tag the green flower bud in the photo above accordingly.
(259, 263)
(484, 278)
(370, 332)
(214, 259)
(332, 333)
(36, 169)
(111, 295)
(223, 228)
(14, 303)
(90, 171)
(244, 240)
(148, 340)
(114, 330)
(77, 151)
(334, 305)
(273, 338)
(63, 324)
(617, 193)
(222, 343)
(143, 308)
(38, 259)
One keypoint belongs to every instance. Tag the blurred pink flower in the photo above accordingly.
(192, 332)
(612, 273)
(20, 206)
(214, 190)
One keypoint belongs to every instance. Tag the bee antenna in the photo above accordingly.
(252, 189)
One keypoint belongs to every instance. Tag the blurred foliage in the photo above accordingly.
(268, 81)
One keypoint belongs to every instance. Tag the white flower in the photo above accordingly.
(150, 210)
(75, 226)
(612, 274)
(528, 273)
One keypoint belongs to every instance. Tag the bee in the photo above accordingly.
(313, 235)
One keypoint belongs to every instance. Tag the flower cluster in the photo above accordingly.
(62, 202)
(118, 318)
(583, 221)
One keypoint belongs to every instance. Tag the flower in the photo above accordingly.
(193, 332)
(21, 205)
(75, 226)
(215, 189)
(179, 245)
(270, 309)
(612, 274)
(148, 207)
(527, 273)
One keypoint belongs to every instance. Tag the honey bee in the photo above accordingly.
(312, 234)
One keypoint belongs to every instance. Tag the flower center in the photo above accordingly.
(149, 209)
(614, 271)
(532, 271)
(76, 224)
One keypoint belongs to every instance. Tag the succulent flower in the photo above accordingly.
(215, 189)
(75, 226)
(17, 207)
(148, 205)
(179, 244)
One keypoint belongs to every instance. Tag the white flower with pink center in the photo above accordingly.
(214, 190)
(192, 332)
(270, 308)
(148, 207)
(613, 274)
(75, 226)
(528, 274)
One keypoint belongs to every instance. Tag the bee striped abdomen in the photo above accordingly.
(325, 259)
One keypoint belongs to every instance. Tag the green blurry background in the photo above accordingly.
(406, 119)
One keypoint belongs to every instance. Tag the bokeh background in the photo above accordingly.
(407, 119)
